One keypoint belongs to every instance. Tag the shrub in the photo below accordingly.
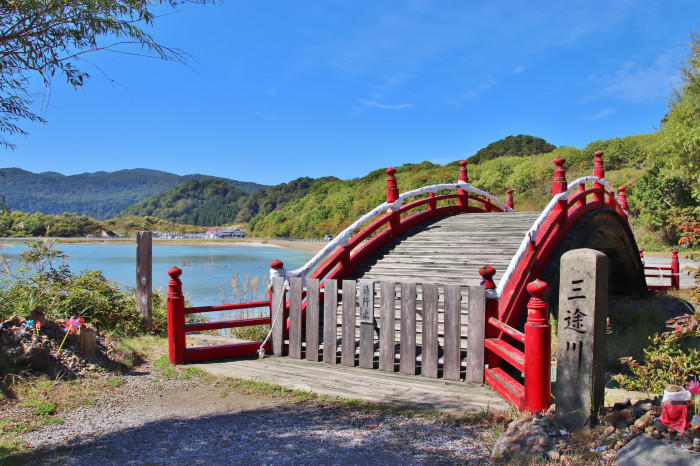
(671, 358)
(41, 283)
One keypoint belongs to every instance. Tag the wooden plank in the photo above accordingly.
(330, 314)
(475, 339)
(408, 329)
(144, 276)
(312, 319)
(295, 317)
(278, 302)
(347, 355)
(452, 357)
(429, 352)
(367, 324)
(386, 328)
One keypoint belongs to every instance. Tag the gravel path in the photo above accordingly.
(154, 420)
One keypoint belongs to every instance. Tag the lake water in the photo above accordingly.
(206, 270)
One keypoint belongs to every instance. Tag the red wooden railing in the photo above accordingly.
(568, 205)
(672, 272)
(178, 328)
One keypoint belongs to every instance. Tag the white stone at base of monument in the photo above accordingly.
(581, 354)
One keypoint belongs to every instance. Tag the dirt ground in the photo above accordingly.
(158, 415)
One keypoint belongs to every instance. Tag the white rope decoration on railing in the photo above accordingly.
(531, 235)
(344, 237)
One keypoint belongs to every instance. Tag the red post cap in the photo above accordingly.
(276, 264)
(175, 273)
(390, 171)
(487, 272)
(537, 288)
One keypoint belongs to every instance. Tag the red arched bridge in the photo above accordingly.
(470, 276)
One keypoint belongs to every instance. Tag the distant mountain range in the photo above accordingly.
(100, 195)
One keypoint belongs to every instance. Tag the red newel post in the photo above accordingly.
(559, 186)
(463, 194)
(392, 189)
(509, 198)
(622, 190)
(432, 203)
(176, 317)
(487, 272)
(675, 270)
(538, 340)
(581, 188)
(641, 255)
(599, 172)
(392, 194)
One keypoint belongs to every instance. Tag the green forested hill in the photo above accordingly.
(203, 202)
(331, 205)
(100, 195)
(214, 202)
(512, 146)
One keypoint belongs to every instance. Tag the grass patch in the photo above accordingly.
(41, 407)
(163, 366)
(136, 350)
(50, 420)
(117, 381)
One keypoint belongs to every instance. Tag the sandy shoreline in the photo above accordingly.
(300, 245)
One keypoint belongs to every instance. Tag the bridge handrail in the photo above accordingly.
(343, 238)
(532, 233)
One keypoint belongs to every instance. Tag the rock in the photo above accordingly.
(644, 421)
(39, 357)
(621, 405)
(695, 422)
(658, 425)
(619, 419)
(644, 451)
(609, 431)
(645, 406)
(649, 430)
(522, 440)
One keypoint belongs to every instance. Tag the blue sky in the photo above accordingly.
(279, 89)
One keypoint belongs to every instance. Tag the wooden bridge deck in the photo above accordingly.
(355, 383)
(450, 249)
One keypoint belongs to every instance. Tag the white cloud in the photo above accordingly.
(602, 114)
(375, 104)
(637, 82)
(519, 69)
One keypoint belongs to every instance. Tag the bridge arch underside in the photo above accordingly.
(605, 231)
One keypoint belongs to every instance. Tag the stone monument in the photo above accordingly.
(581, 352)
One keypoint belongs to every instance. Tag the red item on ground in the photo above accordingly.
(675, 417)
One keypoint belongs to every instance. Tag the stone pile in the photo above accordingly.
(542, 437)
(23, 350)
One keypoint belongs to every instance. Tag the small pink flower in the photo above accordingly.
(694, 388)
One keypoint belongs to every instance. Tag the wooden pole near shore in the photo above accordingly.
(144, 276)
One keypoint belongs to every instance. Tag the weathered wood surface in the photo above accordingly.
(374, 386)
(475, 340)
(347, 355)
(407, 361)
(278, 300)
(387, 328)
(429, 355)
(144, 276)
(330, 316)
(452, 355)
(366, 324)
(450, 250)
(295, 317)
(312, 319)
